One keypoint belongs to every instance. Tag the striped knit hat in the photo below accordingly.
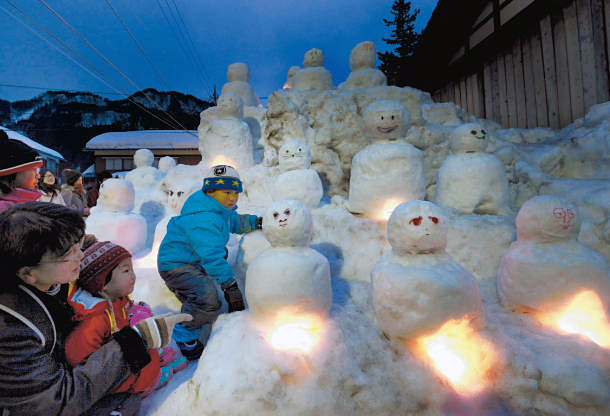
(16, 156)
(97, 265)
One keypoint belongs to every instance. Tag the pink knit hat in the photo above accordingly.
(99, 261)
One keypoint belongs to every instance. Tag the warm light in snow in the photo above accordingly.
(223, 160)
(150, 260)
(388, 208)
(584, 315)
(286, 86)
(295, 332)
(460, 355)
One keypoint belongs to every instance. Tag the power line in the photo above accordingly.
(116, 13)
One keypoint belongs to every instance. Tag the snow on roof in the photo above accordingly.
(149, 139)
(34, 145)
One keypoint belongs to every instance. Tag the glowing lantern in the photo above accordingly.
(460, 355)
(295, 332)
(584, 315)
(223, 160)
(388, 207)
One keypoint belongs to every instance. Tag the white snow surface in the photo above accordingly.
(34, 145)
(151, 139)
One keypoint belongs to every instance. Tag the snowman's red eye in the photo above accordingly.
(434, 219)
(415, 221)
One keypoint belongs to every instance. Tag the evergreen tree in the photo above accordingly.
(395, 64)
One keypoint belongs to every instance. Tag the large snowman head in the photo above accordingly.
(178, 193)
(313, 57)
(386, 120)
(468, 138)
(143, 158)
(363, 55)
(238, 71)
(230, 105)
(166, 163)
(116, 195)
(294, 155)
(547, 218)
(417, 227)
(288, 224)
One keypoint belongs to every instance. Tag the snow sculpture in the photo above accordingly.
(362, 63)
(546, 267)
(297, 180)
(177, 194)
(390, 171)
(418, 287)
(291, 71)
(227, 139)
(166, 163)
(113, 218)
(313, 76)
(144, 177)
(289, 275)
(470, 180)
(238, 75)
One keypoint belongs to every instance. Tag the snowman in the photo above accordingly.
(238, 75)
(546, 267)
(297, 180)
(145, 178)
(228, 136)
(313, 76)
(472, 181)
(391, 170)
(177, 194)
(291, 71)
(417, 287)
(289, 275)
(166, 163)
(362, 64)
(113, 219)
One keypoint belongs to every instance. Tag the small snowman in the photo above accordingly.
(290, 275)
(391, 170)
(166, 163)
(297, 180)
(362, 64)
(417, 287)
(238, 75)
(313, 76)
(177, 194)
(472, 181)
(228, 136)
(546, 267)
(113, 219)
(145, 178)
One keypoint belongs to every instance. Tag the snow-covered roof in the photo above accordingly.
(149, 139)
(44, 150)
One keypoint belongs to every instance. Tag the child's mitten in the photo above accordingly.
(156, 332)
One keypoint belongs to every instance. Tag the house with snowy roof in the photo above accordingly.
(113, 151)
(51, 159)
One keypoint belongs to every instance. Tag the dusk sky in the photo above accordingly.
(190, 50)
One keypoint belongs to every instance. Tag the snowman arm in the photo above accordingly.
(241, 224)
(208, 243)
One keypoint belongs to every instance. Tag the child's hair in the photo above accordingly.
(101, 258)
(32, 229)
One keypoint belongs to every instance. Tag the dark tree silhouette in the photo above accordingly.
(395, 64)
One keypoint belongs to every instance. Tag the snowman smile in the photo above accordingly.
(387, 130)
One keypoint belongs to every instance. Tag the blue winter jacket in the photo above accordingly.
(198, 236)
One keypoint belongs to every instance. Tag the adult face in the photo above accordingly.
(28, 179)
(49, 178)
(79, 181)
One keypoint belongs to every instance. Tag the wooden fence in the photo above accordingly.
(550, 75)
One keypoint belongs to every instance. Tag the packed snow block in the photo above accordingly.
(546, 267)
(362, 62)
(238, 75)
(418, 287)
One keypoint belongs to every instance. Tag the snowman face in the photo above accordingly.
(363, 56)
(230, 104)
(386, 119)
(468, 138)
(116, 195)
(314, 57)
(287, 224)
(547, 218)
(178, 194)
(294, 155)
(143, 158)
(238, 71)
(417, 227)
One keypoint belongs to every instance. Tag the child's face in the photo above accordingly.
(122, 280)
(226, 197)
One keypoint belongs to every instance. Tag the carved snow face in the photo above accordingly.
(468, 138)
(386, 120)
(547, 218)
(143, 158)
(230, 105)
(238, 71)
(314, 57)
(363, 56)
(294, 155)
(288, 224)
(417, 227)
(166, 163)
(116, 195)
(179, 192)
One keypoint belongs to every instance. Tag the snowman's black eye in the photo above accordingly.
(473, 132)
(275, 215)
(483, 131)
(382, 117)
(180, 193)
(287, 212)
(171, 193)
(392, 117)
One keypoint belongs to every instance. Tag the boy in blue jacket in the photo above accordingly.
(192, 256)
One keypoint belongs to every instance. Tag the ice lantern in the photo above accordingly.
(425, 301)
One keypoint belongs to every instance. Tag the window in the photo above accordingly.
(114, 164)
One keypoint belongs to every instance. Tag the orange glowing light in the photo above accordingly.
(584, 315)
(223, 160)
(460, 355)
(388, 207)
(287, 86)
(295, 332)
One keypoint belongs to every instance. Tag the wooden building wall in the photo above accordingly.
(550, 75)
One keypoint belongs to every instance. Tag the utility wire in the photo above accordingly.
(74, 61)
(116, 13)
(109, 62)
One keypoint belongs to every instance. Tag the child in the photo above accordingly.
(193, 255)
(100, 302)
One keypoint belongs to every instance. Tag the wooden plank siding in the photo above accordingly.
(549, 75)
